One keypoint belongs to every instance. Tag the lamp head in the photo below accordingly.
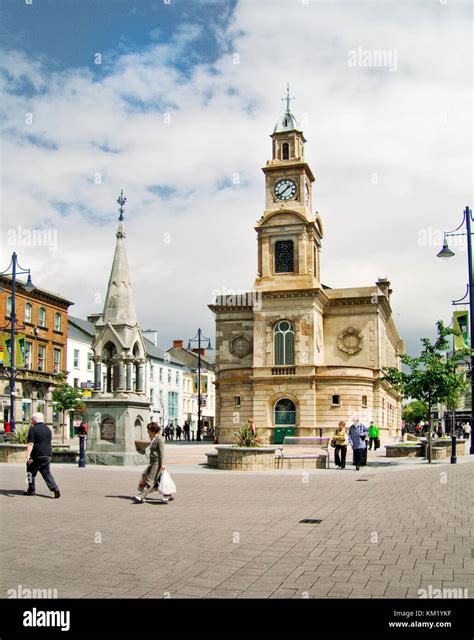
(29, 286)
(445, 251)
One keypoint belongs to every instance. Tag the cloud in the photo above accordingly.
(185, 139)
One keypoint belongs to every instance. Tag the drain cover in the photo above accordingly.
(362, 480)
(310, 521)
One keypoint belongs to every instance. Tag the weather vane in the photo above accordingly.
(288, 97)
(121, 200)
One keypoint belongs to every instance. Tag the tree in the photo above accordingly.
(455, 394)
(67, 398)
(414, 412)
(431, 378)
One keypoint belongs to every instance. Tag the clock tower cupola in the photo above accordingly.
(289, 234)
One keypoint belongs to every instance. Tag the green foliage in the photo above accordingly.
(414, 412)
(21, 434)
(245, 438)
(431, 378)
(66, 397)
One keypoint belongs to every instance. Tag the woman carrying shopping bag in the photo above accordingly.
(156, 467)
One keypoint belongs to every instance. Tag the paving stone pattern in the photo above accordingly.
(237, 535)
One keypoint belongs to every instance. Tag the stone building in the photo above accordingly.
(293, 353)
(42, 322)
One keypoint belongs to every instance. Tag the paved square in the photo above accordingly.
(237, 535)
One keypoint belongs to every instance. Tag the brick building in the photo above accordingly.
(42, 317)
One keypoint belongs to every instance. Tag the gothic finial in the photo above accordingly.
(287, 99)
(121, 200)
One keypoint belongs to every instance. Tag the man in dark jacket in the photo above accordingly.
(38, 455)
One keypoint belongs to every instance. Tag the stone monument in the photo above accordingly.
(118, 406)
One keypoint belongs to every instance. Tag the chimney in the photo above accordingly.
(152, 335)
(203, 351)
(178, 344)
(384, 285)
(93, 317)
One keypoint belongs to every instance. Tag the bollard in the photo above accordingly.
(82, 451)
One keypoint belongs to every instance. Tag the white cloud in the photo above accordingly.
(408, 127)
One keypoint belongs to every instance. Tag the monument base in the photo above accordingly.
(115, 424)
(116, 458)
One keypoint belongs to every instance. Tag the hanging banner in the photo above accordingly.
(5, 348)
(461, 324)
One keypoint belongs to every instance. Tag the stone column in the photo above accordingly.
(128, 366)
(97, 373)
(120, 368)
(140, 376)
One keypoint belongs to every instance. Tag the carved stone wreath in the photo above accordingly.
(241, 346)
(350, 341)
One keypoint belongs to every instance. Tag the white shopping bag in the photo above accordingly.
(166, 486)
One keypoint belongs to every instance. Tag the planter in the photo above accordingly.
(404, 450)
(12, 453)
(246, 458)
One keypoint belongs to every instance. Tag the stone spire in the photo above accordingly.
(119, 305)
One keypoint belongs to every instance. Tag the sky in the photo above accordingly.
(174, 101)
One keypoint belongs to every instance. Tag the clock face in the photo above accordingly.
(306, 192)
(285, 189)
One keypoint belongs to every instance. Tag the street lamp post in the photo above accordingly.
(447, 253)
(14, 326)
(198, 338)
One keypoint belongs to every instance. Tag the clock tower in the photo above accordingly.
(289, 234)
(293, 354)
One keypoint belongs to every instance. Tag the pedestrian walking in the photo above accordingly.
(171, 430)
(186, 430)
(374, 433)
(178, 432)
(156, 467)
(466, 430)
(357, 439)
(39, 452)
(340, 444)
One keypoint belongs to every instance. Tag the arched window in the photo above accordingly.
(284, 343)
(9, 306)
(285, 151)
(285, 412)
(284, 256)
(57, 321)
(28, 312)
(42, 317)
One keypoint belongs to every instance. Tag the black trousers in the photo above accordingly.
(358, 457)
(41, 464)
(374, 442)
(340, 455)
